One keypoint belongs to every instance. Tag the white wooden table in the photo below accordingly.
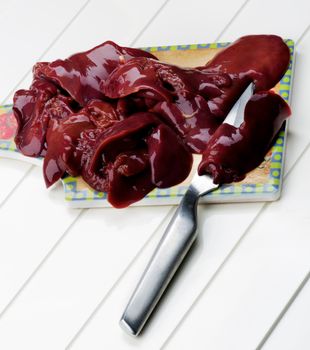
(66, 275)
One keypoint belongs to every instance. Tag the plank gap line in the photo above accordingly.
(42, 262)
(220, 34)
(117, 282)
(59, 35)
(24, 285)
(221, 267)
(297, 160)
(149, 23)
(299, 288)
(233, 18)
(97, 308)
(307, 277)
(23, 78)
(284, 311)
(214, 275)
(303, 283)
(25, 175)
(123, 274)
(305, 32)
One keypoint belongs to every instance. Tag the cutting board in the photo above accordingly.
(262, 184)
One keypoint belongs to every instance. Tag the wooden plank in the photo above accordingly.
(45, 297)
(19, 262)
(80, 35)
(29, 29)
(33, 220)
(261, 276)
(299, 124)
(12, 171)
(11, 176)
(288, 20)
(30, 34)
(176, 304)
(214, 244)
(293, 330)
(117, 20)
(296, 128)
(79, 273)
(285, 18)
(112, 256)
(199, 23)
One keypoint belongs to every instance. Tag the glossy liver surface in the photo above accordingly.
(128, 123)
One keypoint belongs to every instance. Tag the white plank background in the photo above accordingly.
(66, 275)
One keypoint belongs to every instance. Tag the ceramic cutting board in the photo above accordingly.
(262, 184)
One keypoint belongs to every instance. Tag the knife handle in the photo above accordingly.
(171, 250)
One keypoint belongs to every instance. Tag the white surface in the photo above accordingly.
(66, 275)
